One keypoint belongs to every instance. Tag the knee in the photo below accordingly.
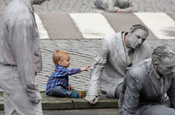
(159, 110)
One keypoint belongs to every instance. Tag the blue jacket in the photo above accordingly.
(60, 77)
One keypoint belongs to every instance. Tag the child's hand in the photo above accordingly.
(70, 88)
(85, 69)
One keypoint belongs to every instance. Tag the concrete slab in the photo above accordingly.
(172, 15)
(92, 25)
(42, 31)
(60, 26)
(102, 103)
(159, 23)
(57, 103)
(124, 21)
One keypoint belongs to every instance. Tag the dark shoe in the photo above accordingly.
(82, 94)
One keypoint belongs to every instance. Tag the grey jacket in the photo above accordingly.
(141, 88)
(110, 64)
(19, 43)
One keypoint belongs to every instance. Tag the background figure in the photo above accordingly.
(116, 6)
(58, 82)
(146, 83)
(20, 58)
(118, 52)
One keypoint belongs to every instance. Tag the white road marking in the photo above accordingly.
(160, 24)
(42, 31)
(92, 25)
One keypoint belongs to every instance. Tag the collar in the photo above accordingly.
(59, 66)
(157, 75)
(29, 5)
(127, 49)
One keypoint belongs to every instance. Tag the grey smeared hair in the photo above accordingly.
(123, 3)
(161, 52)
(139, 26)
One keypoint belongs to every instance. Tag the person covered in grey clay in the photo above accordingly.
(149, 86)
(118, 52)
(20, 58)
(116, 6)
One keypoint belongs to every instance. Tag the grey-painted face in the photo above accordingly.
(166, 66)
(38, 1)
(136, 38)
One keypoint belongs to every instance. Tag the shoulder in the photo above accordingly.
(112, 37)
(139, 70)
(144, 49)
(145, 45)
(18, 11)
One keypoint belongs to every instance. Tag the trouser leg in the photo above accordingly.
(117, 90)
(159, 110)
(16, 100)
(61, 92)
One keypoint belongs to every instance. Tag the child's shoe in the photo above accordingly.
(82, 94)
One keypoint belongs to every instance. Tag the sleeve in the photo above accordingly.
(132, 7)
(130, 101)
(70, 72)
(171, 92)
(97, 69)
(110, 6)
(22, 40)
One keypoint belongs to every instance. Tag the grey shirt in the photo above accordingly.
(19, 43)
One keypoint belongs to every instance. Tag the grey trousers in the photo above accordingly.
(159, 110)
(15, 97)
(156, 109)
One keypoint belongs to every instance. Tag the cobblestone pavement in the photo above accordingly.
(88, 6)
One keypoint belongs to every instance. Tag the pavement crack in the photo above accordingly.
(73, 104)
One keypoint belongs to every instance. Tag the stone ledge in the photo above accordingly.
(56, 103)
(64, 104)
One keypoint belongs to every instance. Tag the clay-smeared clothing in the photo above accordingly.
(113, 5)
(144, 90)
(20, 59)
(111, 64)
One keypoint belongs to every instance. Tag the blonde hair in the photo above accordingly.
(57, 56)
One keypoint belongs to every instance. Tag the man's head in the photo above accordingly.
(37, 1)
(163, 59)
(123, 3)
(137, 35)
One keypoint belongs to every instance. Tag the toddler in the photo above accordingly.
(58, 82)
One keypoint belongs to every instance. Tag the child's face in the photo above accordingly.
(65, 61)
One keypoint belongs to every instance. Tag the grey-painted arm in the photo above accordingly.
(22, 44)
(95, 74)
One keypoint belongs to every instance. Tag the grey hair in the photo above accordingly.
(139, 26)
(161, 52)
